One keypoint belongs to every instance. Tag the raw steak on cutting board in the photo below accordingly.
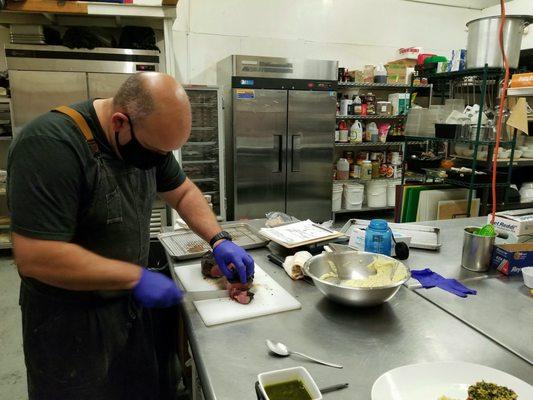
(240, 292)
(270, 297)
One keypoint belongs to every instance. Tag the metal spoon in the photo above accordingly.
(281, 350)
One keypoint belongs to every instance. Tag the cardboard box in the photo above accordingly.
(403, 61)
(457, 60)
(397, 70)
(509, 259)
(442, 66)
(522, 80)
(516, 222)
(400, 103)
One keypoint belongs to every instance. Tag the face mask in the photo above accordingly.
(135, 154)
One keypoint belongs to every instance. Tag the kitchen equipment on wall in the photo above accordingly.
(279, 124)
(483, 46)
(44, 77)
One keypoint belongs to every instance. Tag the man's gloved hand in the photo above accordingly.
(429, 279)
(227, 253)
(155, 290)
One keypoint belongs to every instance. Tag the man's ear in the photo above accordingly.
(120, 123)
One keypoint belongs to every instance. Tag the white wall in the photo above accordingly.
(517, 7)
(355, 32)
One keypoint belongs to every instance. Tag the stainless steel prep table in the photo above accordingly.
(501, 310)
(447, 260)
(368, 342)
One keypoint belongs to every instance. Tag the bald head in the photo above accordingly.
(158, 108)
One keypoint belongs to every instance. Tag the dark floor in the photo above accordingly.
(12, 369)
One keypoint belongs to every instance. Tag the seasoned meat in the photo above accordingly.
(209, 266)
(237, 291)
(241, 293)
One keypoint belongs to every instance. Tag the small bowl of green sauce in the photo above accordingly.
(288, 384)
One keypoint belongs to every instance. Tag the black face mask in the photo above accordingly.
(135, 154)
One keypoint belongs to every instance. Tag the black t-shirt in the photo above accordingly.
(52, 174)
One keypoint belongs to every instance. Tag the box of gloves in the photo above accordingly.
(509, 259)
(518, 223)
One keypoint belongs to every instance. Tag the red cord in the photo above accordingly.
(499, 122)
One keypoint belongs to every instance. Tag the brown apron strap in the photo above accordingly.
(82, 125)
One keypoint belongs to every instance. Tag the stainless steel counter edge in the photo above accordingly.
(203, 374)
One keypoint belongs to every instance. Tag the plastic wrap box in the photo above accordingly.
(509, 259)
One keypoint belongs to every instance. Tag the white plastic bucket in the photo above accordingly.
(391, 192)
(336, 198)
(376, 194)
(352, 198)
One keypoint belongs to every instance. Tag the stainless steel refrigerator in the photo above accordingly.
(43, 77)
(279, 131)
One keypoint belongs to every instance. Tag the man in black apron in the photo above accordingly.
(81, 183)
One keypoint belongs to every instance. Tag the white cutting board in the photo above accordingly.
(270, 297)
(429, 200)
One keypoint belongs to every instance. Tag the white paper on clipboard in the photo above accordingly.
(298, 233)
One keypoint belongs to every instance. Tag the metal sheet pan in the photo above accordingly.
(184, 244)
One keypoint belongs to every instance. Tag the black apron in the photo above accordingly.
(96, 345)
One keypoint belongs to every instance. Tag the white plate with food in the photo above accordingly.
(446, 381)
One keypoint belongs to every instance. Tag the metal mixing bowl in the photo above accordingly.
(350, 265)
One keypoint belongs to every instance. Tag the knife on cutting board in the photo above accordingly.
(208, 294)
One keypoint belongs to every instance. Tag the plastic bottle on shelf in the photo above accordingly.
(343, 132)
(378, 237)
(375, 169)
(350, 106)
(370, 99)
(343, 169)
(372, 132)
(345, 104)
(366, 170)
(357, 105)
(380, 74)
(356, 132)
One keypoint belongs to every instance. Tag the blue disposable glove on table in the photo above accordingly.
(429, 279)
(155, 290)
(227, 253)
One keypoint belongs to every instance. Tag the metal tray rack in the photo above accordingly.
(185, 244)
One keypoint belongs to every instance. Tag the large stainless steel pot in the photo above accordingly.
(483, 45)
(350, 265)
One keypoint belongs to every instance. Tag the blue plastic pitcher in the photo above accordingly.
(378, 237)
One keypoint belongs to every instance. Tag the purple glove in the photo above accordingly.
(227, 253)
(429, 279)
(155, 290)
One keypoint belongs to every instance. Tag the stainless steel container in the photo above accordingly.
(483, 44)
(477, 250)
(350, 265)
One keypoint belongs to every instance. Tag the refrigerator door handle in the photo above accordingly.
(295, 152)
(278, 153)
